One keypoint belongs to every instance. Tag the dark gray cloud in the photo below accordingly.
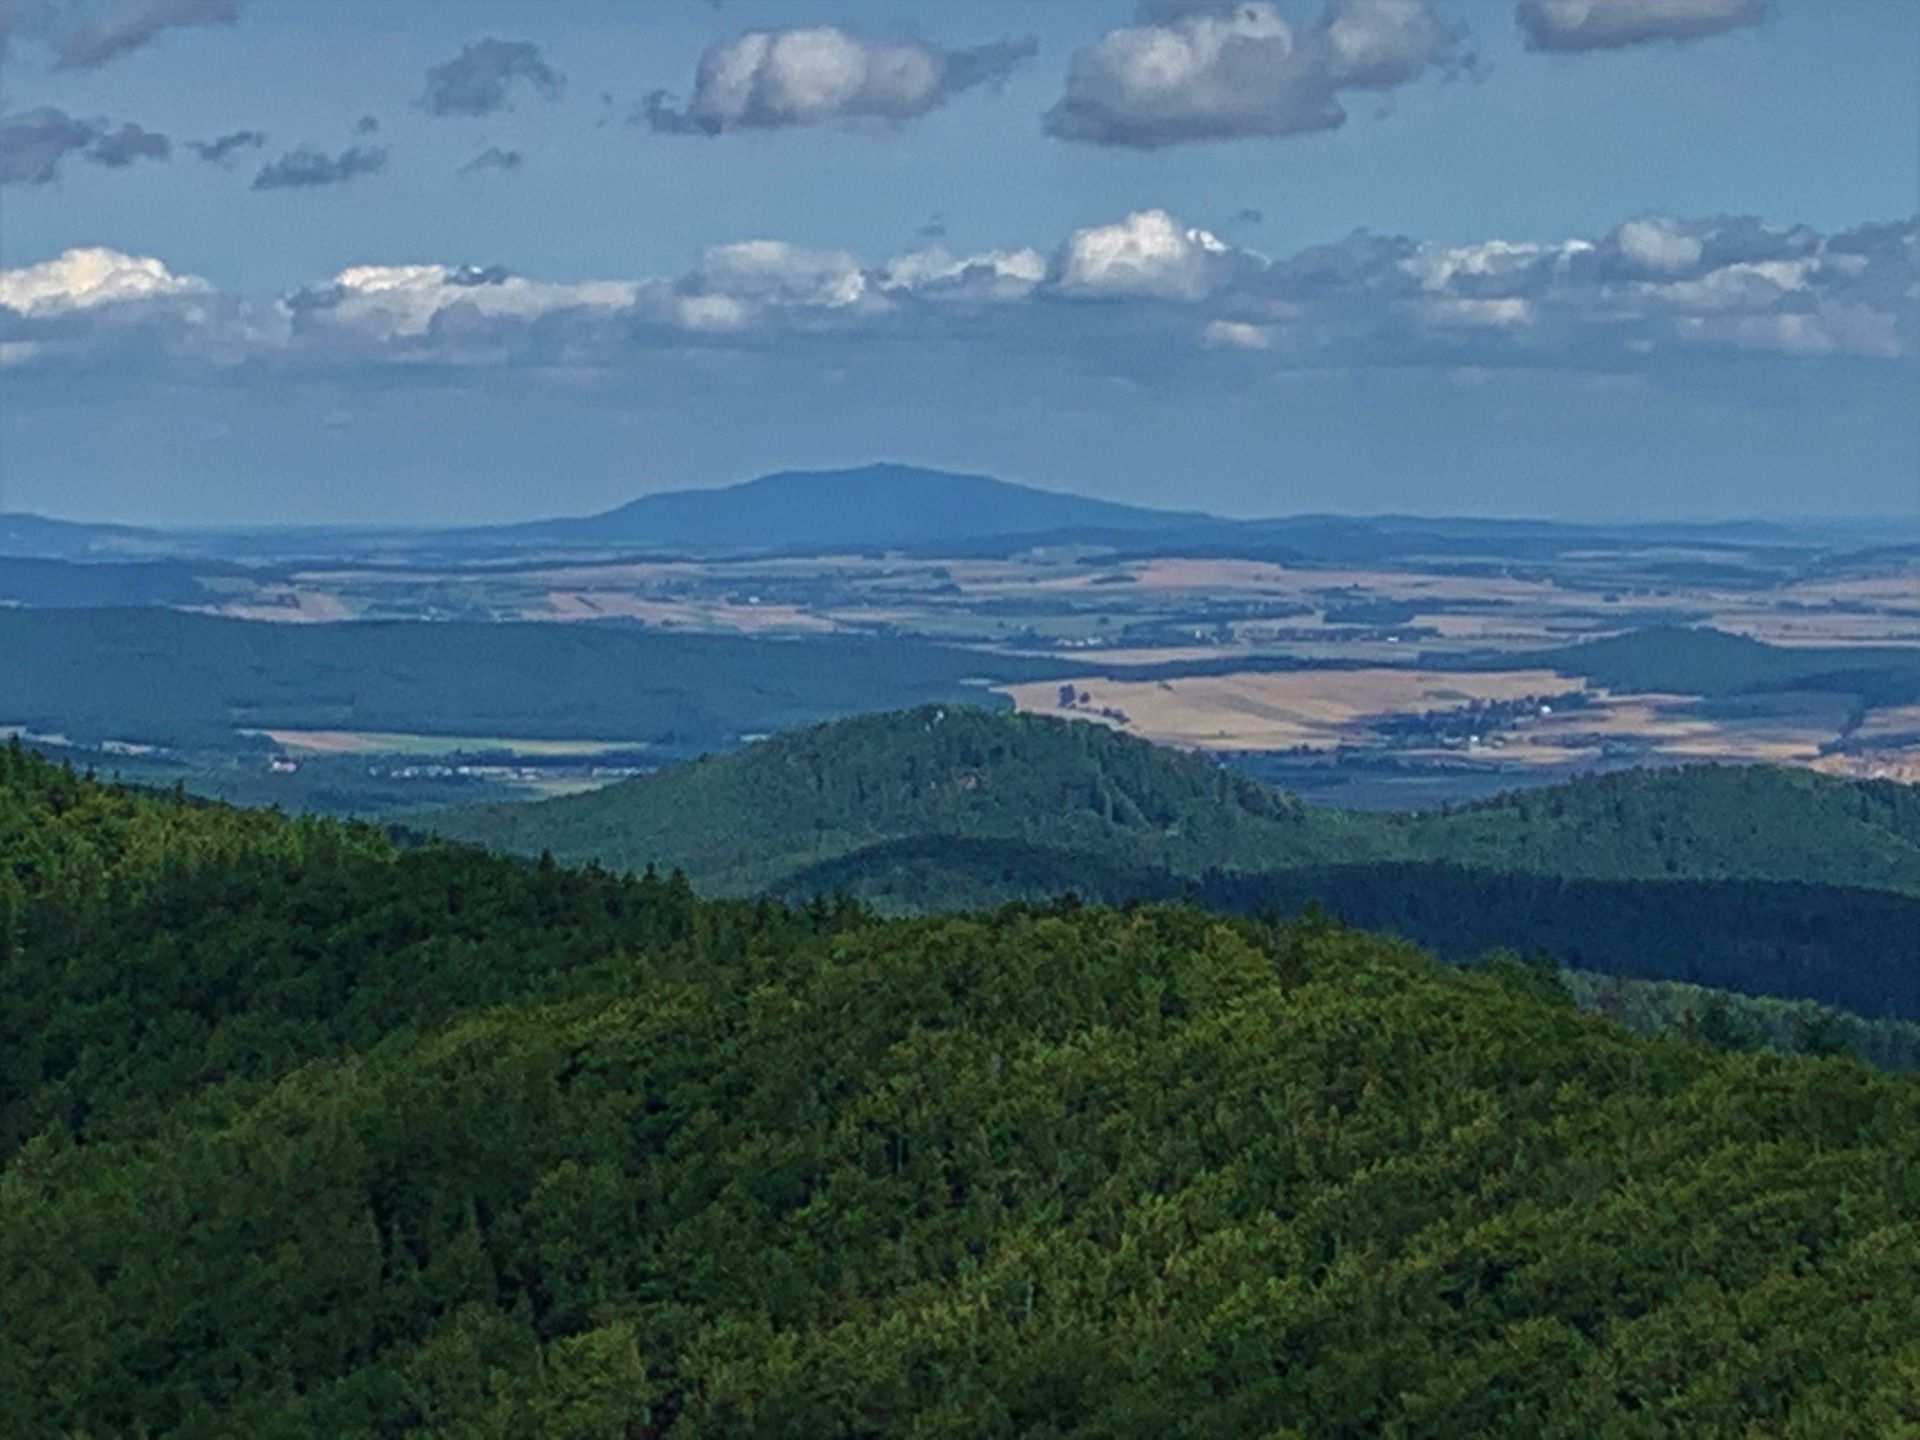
(35, 143)
(771, 79)
(303, 167)
(367, 125)
(1611, 24)
(1188, 72)
(87, 37)
(494, 158)
(1249, 215)
(221, 148)
(480, 79)
(126, 143)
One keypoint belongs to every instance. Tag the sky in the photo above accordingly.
(415, 261)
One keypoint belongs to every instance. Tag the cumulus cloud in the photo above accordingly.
(1381, 44)
(82, 279)
(1611, 24)
(1658, 244)
(494, 158)
(768, 79)
(480, 79)
(34, 143)
(992, 277)
(1653, 291)
(1217, 72)
(304, 167)
(775, 269)
(1148, 254)
(220, 149)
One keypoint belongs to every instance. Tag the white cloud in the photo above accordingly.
(404, 303)
(710, 314)
(996, 275)
(1611, 24)
(774, 272)
(1377, 44)
(1439, 267)
(769, 79)
(1623, 303)
(83, 278)
(1216, 72)
(1148, 254)
(1658, 243)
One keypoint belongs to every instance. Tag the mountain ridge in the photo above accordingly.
(749, 819)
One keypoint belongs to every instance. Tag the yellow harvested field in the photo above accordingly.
(1893, 720)
(388, 742)
(1658, 720)
(691, 615)
(1254, 711)
(292, 607)
(1832, 627)
(1901, 765)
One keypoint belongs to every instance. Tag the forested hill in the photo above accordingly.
(746, 820)
(1836, 944)
(757, 817)
(308, 1136)
(1712, 822)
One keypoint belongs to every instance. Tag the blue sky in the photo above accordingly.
(1032, 262)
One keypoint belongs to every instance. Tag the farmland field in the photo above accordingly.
(1436, 666)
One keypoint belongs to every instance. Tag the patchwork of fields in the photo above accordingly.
(1464, 660)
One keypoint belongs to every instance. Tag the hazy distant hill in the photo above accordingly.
(754, 818)
(871, 505)
(68, 584)
(172, 678)
(35, 535)
(1700, 660)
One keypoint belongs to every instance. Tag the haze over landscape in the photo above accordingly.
(1131, 717)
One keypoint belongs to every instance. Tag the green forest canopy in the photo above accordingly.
(310, 1136)
(752, 819)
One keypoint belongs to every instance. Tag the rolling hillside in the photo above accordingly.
(755, 818)
(306, 1135)
(1837, 945)
(745, 821)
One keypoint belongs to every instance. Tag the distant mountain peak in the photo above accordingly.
(884, 503)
